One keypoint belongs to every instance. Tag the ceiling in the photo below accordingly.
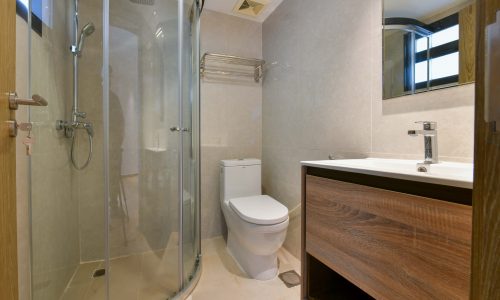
(228, 6)
(418, 9)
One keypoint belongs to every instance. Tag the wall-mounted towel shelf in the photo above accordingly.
(219, 67)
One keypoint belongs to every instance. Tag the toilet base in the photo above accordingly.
(260, 267)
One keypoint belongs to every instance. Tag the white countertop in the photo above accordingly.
(443, 173)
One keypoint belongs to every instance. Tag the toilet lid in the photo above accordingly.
(261, 209)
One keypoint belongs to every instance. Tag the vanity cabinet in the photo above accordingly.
(365, 236)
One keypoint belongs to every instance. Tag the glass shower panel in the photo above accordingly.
(143, 150)
(125, 225)
(89, 189)
(190, 134)
(59, 196)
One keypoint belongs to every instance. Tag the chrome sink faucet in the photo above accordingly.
(430, 139)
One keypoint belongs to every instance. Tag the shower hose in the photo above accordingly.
(89, 157)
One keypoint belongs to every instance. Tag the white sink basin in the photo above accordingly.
(444, 173)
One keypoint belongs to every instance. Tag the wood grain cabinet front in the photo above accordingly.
(390, 244)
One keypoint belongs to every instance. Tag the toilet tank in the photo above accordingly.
(239, 178)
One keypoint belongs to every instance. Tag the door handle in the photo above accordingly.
(492, 75)
(36, 100)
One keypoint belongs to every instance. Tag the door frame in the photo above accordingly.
(485, 278)
(8, 214)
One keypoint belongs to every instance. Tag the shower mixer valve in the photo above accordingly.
(80, 114)
(69, 127)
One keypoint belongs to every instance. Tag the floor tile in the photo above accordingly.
(154, 276)
(76, 293)
(83, 274)
(222, 278)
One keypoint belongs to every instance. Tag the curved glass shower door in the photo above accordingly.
(143, 158)
(153, 240)
(125, 226)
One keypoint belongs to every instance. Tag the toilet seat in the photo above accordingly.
(260, 209)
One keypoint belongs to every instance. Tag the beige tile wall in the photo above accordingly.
(54, 213)
(316, 96)
(89, 183)
(230, 113)
(323, 95)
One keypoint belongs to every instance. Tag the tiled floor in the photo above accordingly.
(151, 276)
(222, 279)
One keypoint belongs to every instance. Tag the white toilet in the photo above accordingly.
(256, 223)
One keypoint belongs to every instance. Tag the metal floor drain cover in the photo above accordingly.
(99, 273)
(290, 278)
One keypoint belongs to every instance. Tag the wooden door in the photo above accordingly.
(8, 225)
(486, 204)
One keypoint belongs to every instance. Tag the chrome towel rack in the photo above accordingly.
(221, 66)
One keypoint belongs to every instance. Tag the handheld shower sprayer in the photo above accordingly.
(87, 30)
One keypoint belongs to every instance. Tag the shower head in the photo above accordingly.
(87, 30)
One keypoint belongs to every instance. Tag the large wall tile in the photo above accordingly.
(231, 114)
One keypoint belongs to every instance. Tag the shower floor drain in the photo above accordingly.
(290, 278)
(99, 273)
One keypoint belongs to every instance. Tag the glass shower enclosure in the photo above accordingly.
(114, 172)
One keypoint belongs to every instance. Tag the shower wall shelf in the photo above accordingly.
(218, 67)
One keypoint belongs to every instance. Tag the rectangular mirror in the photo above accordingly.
(428, 44)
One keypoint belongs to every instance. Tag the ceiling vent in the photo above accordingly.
(250, 7)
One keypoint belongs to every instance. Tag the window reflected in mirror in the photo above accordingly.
(428, 45)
